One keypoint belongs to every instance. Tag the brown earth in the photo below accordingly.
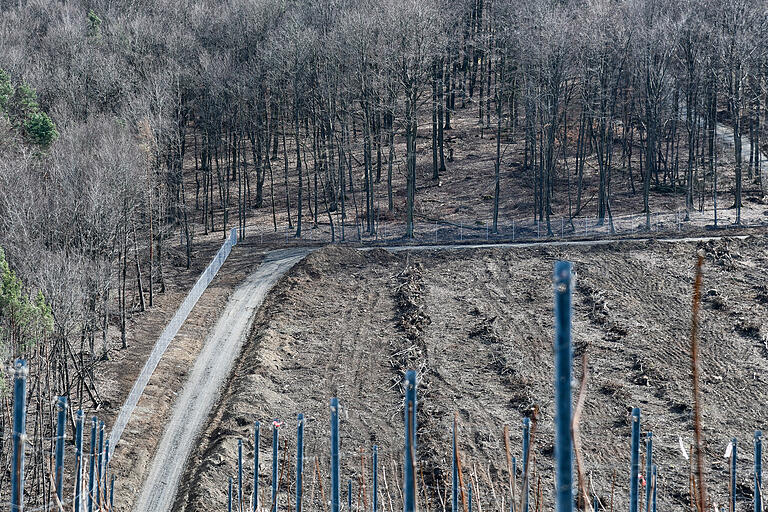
(478, 326)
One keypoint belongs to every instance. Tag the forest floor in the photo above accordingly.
(477, 324)
(460, 203)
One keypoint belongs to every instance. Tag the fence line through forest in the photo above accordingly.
(167, 335)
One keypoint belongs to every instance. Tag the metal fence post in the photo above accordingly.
(99, 465)
(79, 424)
(299, 460)
(655, 487)
(375, 478)
(349, 495)
(455, 472)
(112, 493)
(61, 429)
(733, 474)
(469, 496)
(335, 483)
(19, 434)
(256, 427)
(648, 470)
(526, 449)
(563, 372)
(635, 460)
(239, 475)
(229, 496)
(92, 465)
(275, 441)
(409, 472)
(758, 498)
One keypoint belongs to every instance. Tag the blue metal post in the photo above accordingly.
(733, 475)
(655, 488)
(19, 434)
(335, 482)
(111, 494)
(635, 460)
(375, 478)
(469, 496)
(239, 475)
(256, 427)
(79, 424)
(409, 473)
(92, 466)
(229, 496)
(275, 440)
(61, 430)
(526, 448)
(563, 371)
(299, 460)
(455, 476)
(349, 495)
(595, 505)
(648, 469)
(512, 503)
(99, 467)
(758, 499)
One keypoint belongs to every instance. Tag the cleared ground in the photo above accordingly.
(478, 325)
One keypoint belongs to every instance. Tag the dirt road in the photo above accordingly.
(209, 373)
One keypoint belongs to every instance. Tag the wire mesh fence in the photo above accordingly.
(167, 335)
(553, 228)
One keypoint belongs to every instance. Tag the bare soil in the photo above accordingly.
(477, 324)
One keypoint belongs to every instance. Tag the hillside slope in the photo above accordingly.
(478, 324)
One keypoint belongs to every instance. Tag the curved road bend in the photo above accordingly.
(210, 372)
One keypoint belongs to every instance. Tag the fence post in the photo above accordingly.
(648, 470)
(375, 478)
(655, 487)
(349, 495)
(275, 441)
(469, 496)
(92, 465)
(512, 503)
(19, 434)
(99, 466)
(256, 466)
(563, 372)
(455, 468)
(595, 505)
(79, 423)
(526, 449)
(335, 483)
(61, 429)
(733, 474)
(409, 472)
(111, 493)
(758, 498)
(239, 475)
(229, 496)
(635, 459)
(299, 460)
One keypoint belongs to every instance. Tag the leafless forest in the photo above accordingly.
(132, 131)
